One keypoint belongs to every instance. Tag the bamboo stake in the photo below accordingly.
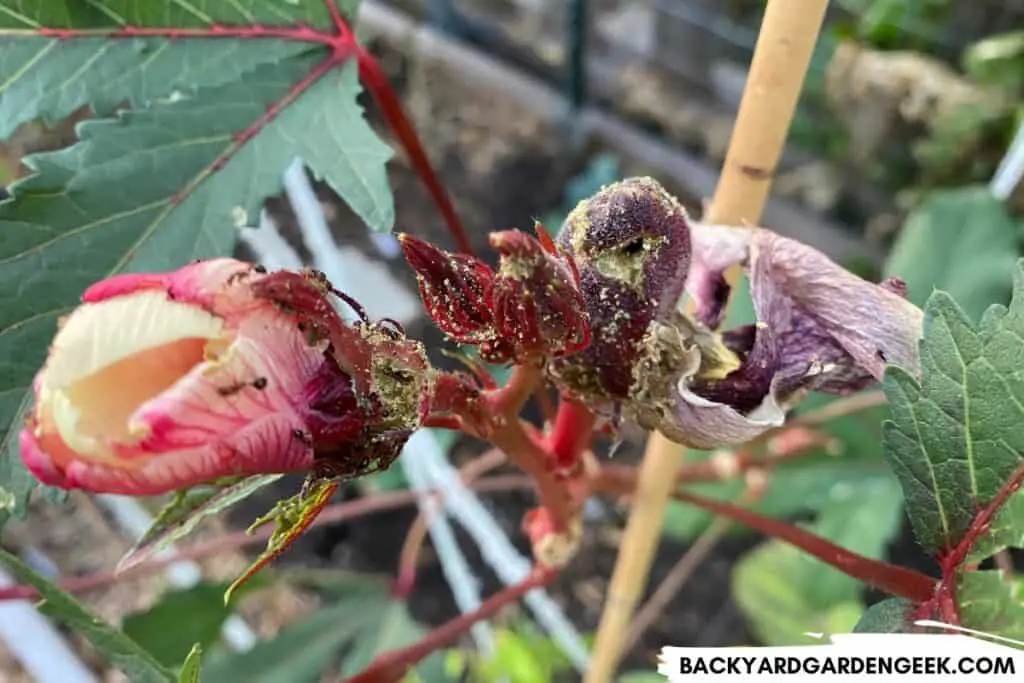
(789, 32)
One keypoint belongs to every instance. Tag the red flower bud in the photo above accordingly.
(538, 308)
(631, 243)
(453, 288)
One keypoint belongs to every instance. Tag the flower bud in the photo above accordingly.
(158, 382)
(453, 288)
(538, 310)
(631, 245)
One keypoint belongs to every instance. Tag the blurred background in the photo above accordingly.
(905, 158)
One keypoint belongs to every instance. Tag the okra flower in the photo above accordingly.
(819, 327)
(161, 381)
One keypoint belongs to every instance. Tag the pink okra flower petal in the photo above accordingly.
(161, 381)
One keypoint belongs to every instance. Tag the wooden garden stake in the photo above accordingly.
(782, 55)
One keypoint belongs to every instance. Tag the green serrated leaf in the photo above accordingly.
(181, 619)
(891, 615)
(954, 439)
(785, 593)
(151, 190)
(50, 77)
(961, 241)
(394, 628)
(1006, 531)
(192, 666)
(989, 602)
(120, 650)
(186, 510)
(300, 652)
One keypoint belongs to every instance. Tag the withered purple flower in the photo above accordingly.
(819, 327)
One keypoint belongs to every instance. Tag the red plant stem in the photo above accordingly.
(520, 442)
(390, 106)
(893, 579)
(337, 19)
(238, 539)
(392, 666)
(944, 601)
(524, 450)
(951, 561)
(507, 401)
(572, 433)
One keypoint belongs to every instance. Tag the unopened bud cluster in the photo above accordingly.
(529, 308)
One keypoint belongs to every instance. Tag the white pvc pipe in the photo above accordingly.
(1011, 168)
(36, 644)
(271, 248)
(465, 586)
(365, 280)
(497, 550)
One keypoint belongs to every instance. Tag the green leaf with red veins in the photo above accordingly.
(1006, 531)
(157, 187)
(990, 602)
(892, 615)
(50, 76)
(954, 438)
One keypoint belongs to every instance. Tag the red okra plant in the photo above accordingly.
(210, 379)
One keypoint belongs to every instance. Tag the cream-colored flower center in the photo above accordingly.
(111, 357)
